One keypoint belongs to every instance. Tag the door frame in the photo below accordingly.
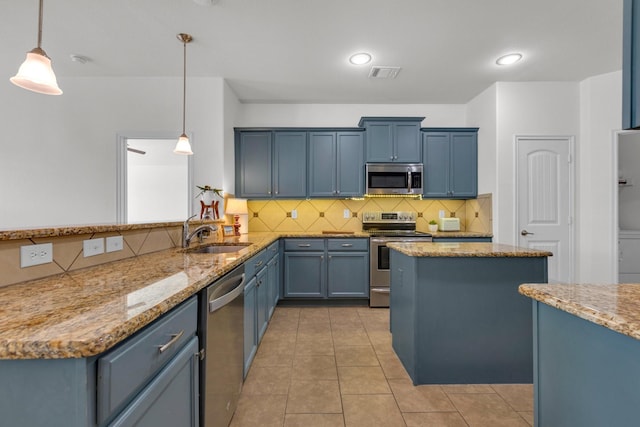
(121, 169)
(572, 192)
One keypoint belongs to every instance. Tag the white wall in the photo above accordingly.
(600, 117)
(231, 111)
(60, 167)
(346, 115)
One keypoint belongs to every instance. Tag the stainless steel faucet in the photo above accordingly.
(186, 236)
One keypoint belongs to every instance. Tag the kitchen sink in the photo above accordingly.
(219, 249)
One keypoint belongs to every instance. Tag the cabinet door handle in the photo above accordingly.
(172, 341)
(259, 264)
(304, 245)
(347, 245)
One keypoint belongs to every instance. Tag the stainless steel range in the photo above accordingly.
(385, 227)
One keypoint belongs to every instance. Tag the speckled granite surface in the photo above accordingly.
(458, 234)
(85, 312)
(616, 307)
(481, 250)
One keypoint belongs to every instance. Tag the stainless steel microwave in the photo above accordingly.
(393, 178)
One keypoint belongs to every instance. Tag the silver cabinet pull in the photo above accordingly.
(526, 233)
(259, 264)
(172, 341)
(347, 245)
(304, 245)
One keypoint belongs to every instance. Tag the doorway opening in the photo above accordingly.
(154, 184)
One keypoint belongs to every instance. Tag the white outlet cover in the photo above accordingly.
(31, 255)
(114, 243)
(294, 214)
(92, 247)
(346, 213)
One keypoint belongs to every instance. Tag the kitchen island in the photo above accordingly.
(586, 354)
(456, 314)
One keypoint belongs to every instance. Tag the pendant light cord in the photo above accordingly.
(40, 25)
(184, 86)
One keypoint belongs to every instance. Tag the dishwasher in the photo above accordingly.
(222, 361)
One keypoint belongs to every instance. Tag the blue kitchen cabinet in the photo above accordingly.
(273, 280)
(348, 268)
(304, 274)
(262, 304)
(631, 65)
(253, 164)
(336, 161)
(271, 164)
(290, 164)
(326, 268)
(450, 158)
(131, 384)
(392, 139)
(250, 323)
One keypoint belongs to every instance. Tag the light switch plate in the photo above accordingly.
(92, 247)
(114, 243)
(31, 255)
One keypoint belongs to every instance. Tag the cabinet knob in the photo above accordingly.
(268, 192)
(338, 192)
(391, 158)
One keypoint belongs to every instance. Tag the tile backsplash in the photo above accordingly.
(328, 214)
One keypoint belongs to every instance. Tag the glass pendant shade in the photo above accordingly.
(183, 146)
(36, 74)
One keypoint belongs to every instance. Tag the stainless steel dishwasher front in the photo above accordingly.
(222, 330)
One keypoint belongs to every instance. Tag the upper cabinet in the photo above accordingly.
(336, 162)
(450, 157)
(271, 164)
(631, 65)
(392, 139)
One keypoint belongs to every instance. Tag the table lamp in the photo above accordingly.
(237, 207)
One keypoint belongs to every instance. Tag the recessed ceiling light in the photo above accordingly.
(509, 59)
(360, 58)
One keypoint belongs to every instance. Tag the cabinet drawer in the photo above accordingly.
(124, 371)
(348, 244)
(304, 245)
(272, 249)
(255, 264)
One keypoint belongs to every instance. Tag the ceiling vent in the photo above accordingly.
(381, 72)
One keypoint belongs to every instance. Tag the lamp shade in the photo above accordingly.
(236, 207)
(183, 146)
(36, 74)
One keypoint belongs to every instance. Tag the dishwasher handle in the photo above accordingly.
(225, 299)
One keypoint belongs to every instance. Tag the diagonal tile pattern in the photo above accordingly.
(328, 214)
(334, 366)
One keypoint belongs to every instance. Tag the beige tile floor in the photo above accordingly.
(334, 366)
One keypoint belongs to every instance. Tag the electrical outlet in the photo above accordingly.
(114, 243)
(294, 214)
(346, 214)
(441, 213)
(93, 247)
(31, 255)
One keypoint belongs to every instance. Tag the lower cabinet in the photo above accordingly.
(326, 268)
(132, 384)
(261, 294)
(171, 399)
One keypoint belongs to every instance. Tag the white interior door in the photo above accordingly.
(544, 198)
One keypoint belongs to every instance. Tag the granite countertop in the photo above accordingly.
(458, 234)
(479, 250)
(85, 312)
(616, 307)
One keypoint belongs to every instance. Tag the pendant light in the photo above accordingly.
(183, 146)
(35, 73)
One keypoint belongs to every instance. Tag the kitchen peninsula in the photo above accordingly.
(586, 352)
(456, 314)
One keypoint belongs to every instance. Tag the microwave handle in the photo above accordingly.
(409, 180)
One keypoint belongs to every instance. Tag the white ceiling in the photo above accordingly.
(297, 50)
